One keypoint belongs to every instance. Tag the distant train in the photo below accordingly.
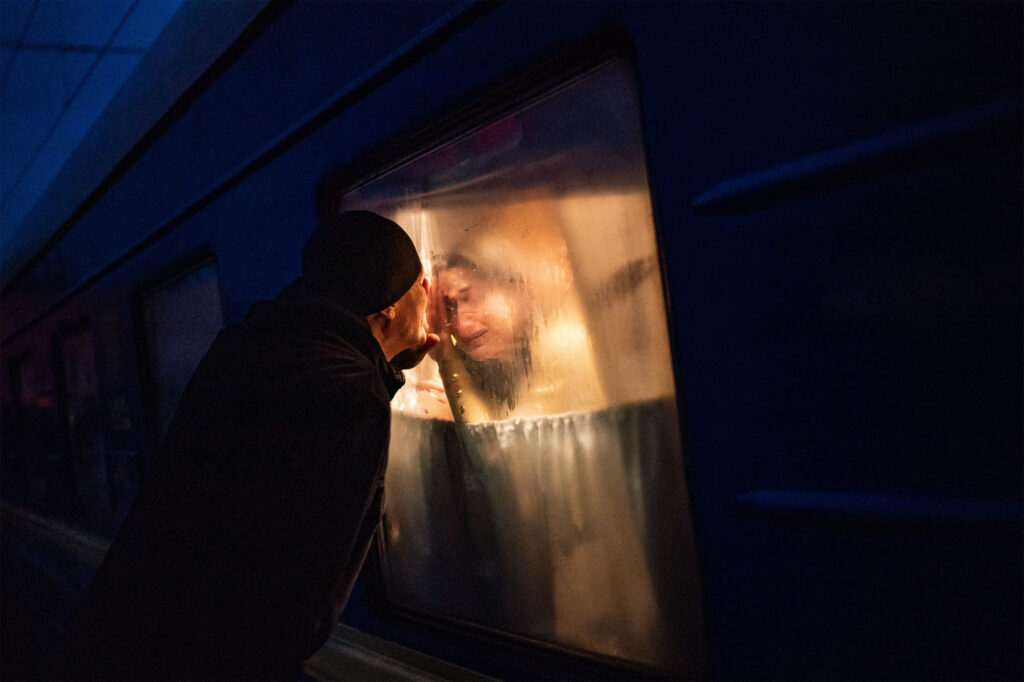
(732, 294)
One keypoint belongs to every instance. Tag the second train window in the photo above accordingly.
(535, 483)
(182, 316)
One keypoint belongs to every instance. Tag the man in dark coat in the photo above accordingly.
(247, 537)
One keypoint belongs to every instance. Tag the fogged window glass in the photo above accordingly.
(535, 482)
(182, 318)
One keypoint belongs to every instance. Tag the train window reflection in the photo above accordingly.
(535, 481)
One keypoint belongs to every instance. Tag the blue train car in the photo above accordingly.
(757, 411)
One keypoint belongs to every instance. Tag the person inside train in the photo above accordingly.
(539, 559)
(507, 311)
(249, 532)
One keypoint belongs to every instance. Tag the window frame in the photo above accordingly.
(475, 111)
(522, 86)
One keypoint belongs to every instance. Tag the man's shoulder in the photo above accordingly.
(301, 349)
(288, 356)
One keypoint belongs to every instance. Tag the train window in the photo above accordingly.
(535, 483)
(32, 465)
(181, 317)
(81, 408)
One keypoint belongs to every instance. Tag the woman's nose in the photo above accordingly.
(465, 323)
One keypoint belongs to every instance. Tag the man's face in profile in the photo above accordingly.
(486, 318)
(410, 313)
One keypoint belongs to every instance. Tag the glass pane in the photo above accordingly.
(84, 417)
(535, 483)
(182, 318)
(33, 469)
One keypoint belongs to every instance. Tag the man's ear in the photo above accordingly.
(385, 315)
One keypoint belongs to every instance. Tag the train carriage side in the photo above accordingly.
(769, 416)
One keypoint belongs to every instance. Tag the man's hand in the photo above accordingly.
(410, 357)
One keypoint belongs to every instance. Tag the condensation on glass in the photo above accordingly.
(182, 317)
(535, 483)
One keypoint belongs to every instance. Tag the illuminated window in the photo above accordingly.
(535, 483)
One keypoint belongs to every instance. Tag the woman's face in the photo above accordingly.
(485, 318)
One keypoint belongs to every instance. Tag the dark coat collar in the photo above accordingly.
(298, 306)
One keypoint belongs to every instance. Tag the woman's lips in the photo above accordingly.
(476, 340)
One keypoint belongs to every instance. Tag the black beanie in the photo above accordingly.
(361, 259)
